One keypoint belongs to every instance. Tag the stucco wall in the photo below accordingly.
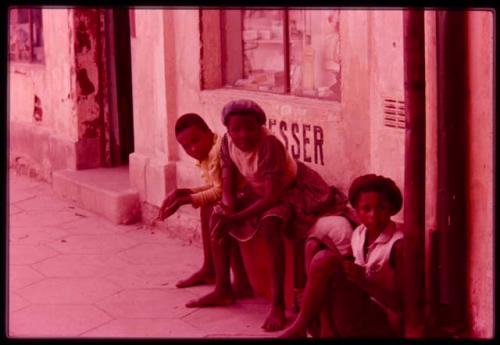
(160, 98)
(480, 174)
(28, 80)
(386, 82)
(148, 80)
(343, 127)
(44, 143)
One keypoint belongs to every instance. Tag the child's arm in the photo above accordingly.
(213, 191)
(173, 201)
(397, 254)
(229, 177)
(272, 167)
(274, 188)
(357, 274)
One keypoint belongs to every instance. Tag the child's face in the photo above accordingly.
(196, 142)
(244, 131)
(374, 210)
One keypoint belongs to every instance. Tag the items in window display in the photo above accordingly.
(25, 39)
(314, 53)
(308, 67)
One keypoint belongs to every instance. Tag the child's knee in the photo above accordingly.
(312, 245)
(325, 263)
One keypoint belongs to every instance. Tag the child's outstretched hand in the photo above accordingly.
(355, 273)
(168, 211)
(173, 201)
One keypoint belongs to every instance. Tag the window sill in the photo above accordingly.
(257, 96)
(22, 67)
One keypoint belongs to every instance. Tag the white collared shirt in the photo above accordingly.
(378, 270)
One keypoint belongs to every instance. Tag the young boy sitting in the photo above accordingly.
(202, 144)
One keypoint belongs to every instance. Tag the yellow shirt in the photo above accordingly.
(211, 174)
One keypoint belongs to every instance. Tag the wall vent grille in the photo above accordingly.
(394, 113)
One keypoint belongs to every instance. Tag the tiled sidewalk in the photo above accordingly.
(74, 274)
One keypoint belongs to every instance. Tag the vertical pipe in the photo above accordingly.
(452, 105)
(414, 175)
(286, 53)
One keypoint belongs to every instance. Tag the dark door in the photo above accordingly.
(120, 81)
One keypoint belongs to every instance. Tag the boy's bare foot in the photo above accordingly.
(242, 290)
(198, 278)
(214, 298)
(275, 319)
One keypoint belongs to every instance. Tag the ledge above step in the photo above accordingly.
(105, 191)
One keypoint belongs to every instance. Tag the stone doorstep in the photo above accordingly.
(105, 191)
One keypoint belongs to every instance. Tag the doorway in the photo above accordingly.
(119, 75)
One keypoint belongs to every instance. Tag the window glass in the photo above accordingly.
(261, 50)
(315, 53)
(25, 35)
(257, 55)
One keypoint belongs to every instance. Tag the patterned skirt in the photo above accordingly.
(306, 199)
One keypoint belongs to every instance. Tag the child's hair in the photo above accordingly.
(379, 184)
(190, 120)
(244, 107)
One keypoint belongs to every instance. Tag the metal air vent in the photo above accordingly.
(394, 113)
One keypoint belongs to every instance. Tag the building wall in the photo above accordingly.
(56, 108)
(386, 80)
(44, 143)
(480, 174)
(332, 137)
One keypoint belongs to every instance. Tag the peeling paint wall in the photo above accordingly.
(88, 85)
(42, 127)
(60, 103)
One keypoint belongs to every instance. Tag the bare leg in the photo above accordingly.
(323, 269)
(326, 325)
(273, 230)
(223, 293)
(241, 285)
(206, 274)
(313, 246)
(299, 273)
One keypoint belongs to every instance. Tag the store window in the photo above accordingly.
(282, 51)
(25, 35)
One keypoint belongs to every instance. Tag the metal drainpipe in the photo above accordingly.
(414, 175)
(451, 208)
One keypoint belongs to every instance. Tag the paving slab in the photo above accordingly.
(69, 291)
(89, 224)
(149, 303)
(22, 276)
(34, 219)
(79, 265)
(92, 244)
(146, 328)
(29, 253)
(55, 321)
(16, 302)
(35, 235)
(74, 273)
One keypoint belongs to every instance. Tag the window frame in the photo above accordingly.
(215, 27)
(32, 60)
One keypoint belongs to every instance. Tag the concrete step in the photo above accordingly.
(105, 191)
